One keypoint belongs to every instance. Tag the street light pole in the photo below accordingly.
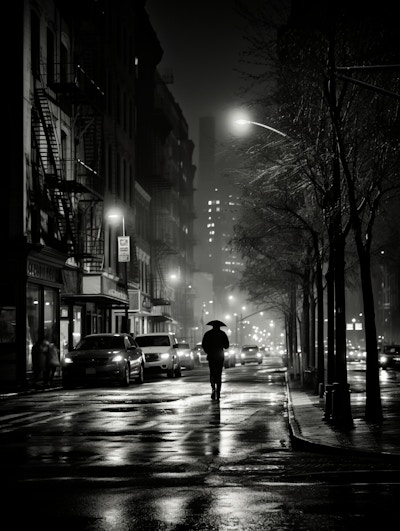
(123, 256)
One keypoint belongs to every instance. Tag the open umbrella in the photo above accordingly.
(216, 323)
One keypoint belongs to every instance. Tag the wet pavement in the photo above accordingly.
(165, 457)
(310, 431)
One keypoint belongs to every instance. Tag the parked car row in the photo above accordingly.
(122, 359)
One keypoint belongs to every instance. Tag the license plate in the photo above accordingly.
(90, 370)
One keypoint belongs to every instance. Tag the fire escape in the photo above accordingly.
(163, 246)
(73, 188)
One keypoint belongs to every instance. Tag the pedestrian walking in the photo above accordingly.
(52, 362)
(214, 342)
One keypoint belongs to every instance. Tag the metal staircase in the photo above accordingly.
(47, 145)
(76, 203)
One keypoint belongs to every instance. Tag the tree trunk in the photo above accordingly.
(330, 310)
(320, 331)
(305, 343)
(373, 405)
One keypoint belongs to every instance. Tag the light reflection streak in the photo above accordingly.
(171, 510)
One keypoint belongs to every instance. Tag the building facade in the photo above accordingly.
(79, 218)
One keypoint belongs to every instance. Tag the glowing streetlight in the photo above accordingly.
(241, 121)
(115, 215)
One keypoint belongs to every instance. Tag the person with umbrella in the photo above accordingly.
(214, 342)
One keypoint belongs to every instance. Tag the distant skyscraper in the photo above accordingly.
(205, 182)
(216, 206)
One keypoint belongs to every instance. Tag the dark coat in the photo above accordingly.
(214, 342)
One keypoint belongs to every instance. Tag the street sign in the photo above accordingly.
(124, 254)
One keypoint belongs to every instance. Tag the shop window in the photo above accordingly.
(50, 317)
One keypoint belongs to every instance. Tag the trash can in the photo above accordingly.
(341, 411)
(328, 402)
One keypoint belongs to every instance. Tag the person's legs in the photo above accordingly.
(211, 367)
(219, 381)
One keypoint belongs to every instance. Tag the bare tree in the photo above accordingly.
(349, 125)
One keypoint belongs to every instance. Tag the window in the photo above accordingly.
(50, 309)
(153, 341)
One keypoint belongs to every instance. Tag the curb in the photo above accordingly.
(301, 443)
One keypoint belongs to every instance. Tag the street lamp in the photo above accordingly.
(116, 216)
(124, 256)
(250, 122)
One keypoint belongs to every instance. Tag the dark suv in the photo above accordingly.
(390, 357)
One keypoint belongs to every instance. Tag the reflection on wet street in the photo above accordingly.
(162, 423)
(164, 456)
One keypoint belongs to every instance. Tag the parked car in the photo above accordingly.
(230, 356)
(390, 357)
(197, 355)
(160, 352)
(250, 354)
(186, 356)
(203, 356)
(103, 357)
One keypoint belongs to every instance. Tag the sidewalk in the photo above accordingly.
(309, 430)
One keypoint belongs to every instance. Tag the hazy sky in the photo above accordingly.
(202, 42)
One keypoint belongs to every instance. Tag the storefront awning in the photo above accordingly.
(105, 300)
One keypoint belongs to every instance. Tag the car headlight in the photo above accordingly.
(68, 360)
(117, 358)
(258, 355)
(165, 355)
(242, 355)
(383, 359)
